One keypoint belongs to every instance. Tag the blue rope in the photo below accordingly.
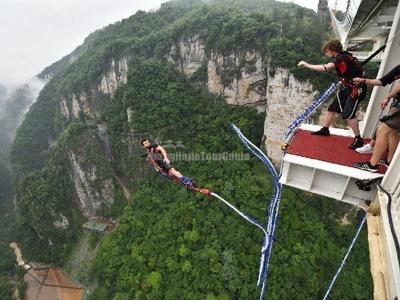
(345, 257)
(272, 212)
(307, 113)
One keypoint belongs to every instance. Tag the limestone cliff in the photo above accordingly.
(92, 193)
(90, 179)
(243, 79)
(188, 54)
(85, 175)
(87, 103)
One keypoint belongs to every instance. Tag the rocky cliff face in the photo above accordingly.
(93, 190)
(117, 73)
(91, 196)
(286, 99)
(236, 80)
(87, 103)
(188, 54)
(243, 79)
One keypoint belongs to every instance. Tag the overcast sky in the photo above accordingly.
(36, 33)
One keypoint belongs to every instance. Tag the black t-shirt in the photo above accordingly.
(391, 76)
(347, 66)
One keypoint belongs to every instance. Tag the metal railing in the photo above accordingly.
(344, 26)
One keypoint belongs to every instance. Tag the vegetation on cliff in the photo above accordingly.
(7, 267)
(224, 26)
(7, 209)
(5, 190)
(11, 276)
(169, 243)
(47, 197)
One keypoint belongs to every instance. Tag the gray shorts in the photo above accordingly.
(163, 165)
(392, 118)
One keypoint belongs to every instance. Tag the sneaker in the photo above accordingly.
(324, 131)
(366, 149)
(384, 162)
(365, 166)
(357, 143)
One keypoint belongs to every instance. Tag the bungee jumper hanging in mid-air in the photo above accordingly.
(158, 157)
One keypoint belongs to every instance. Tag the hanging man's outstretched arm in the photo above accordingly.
(164, 154)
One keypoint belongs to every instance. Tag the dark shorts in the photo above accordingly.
(345, 104)
(392, 118)
(166, 167)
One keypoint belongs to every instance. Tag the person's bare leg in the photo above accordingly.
(328, 118)
(175, 173)
(353, 123)
(381, 144)
(394, 138)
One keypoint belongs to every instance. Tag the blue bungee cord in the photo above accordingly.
(289, 134)
(273, 208)
(272, 212)
(307, 113)
(345, 257)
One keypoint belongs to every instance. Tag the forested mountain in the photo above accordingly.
(7, 259)
(13, 106)
(5, 189)
(7, 267)
(14, 103)
(181, 75)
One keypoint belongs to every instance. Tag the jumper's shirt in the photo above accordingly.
(158, 158)
(347, 66)
(349, 95)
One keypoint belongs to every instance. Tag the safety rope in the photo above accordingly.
(301, 118)
(272, 212)
(243, 215)
(290, 132)
(268, 233)
(307, 113)
(373, 55)
(345, 257)
(379, 49)
(323, 97)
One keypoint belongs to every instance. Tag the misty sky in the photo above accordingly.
(36, 33)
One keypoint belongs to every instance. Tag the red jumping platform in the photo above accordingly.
(333, 149)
